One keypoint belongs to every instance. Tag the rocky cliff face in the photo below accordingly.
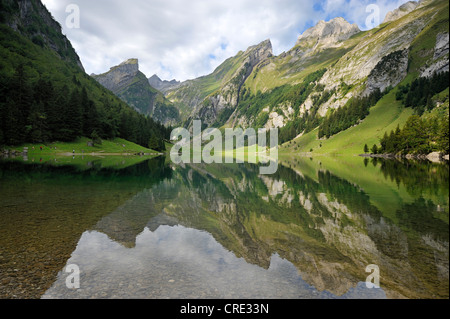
(329, 33)
(356, 63)
(132, 86)
(32, 19)
(401, 11)
(227, 97)
(219, 108)
(119, 77)
(316, 43)
(440, 61)
(362, 67)
(163, 86)
(390, 71)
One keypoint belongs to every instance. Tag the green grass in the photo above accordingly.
(384, 117)
(276, 74)
(115, 146)
(83, 162)
(205, 86)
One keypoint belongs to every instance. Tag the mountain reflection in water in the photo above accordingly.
(153, 230)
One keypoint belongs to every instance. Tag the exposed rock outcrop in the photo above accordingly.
(390, 71)
(163, 86)
(329, 33)
(29, 18)
(355, 63)
(228, 96)
(119, 77)
(359, 64)
(401, 11)
(133, 87)
(440, 58)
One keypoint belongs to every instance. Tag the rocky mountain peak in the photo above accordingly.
(257, 53)
(155, 78)
(129, 67)
(334, 30)
(266, 44)
(120, 76)
(264, 48)
(163, 86)
(130, 62)
(401, 11)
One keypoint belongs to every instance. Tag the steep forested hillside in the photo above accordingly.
(45, 93)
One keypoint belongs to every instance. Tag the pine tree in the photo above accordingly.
(38, 130)
(153, 143)
(57, 114)
(73, 117)
(17, 108)
(415, 136)
(375, 149)
(90, 122)
(96, 140)
(384, 142)
(366, 149)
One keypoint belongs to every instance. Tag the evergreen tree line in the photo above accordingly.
(419, 136)
(41, 113)
(305, 124)
(298, 95)
(356, 110)
(419, 94)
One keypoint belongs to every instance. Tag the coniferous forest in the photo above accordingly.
(351, 114)
(421, 134)
(418, 95)
(46, 97)
(41, 113)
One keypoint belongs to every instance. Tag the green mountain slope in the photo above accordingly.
(211, 96)
(384, 117)
(333, 64)
(47, 97)
(32, 20)
(133, 87)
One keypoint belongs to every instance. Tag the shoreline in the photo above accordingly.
(68, 154)
(433, 157)
(99, 154)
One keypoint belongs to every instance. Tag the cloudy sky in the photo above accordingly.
(185, 39)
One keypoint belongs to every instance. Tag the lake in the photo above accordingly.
(146, 228)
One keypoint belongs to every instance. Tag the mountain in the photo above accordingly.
(46, 96)
(133, 87)
(32, 20)
(162, 86)
(332, 65)
(328, 33)
(119, 77)
(215, 96)
(401, 11)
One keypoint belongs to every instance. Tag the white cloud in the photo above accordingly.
(355, 10)
(185, 39)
